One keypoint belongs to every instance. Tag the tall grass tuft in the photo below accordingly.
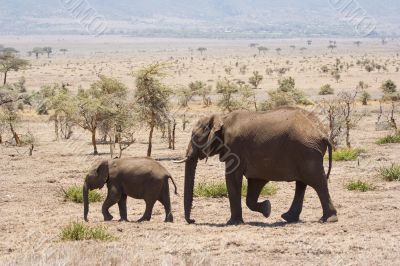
(391, 173)
(75, 194)
(346, 154)
(359, 186)
(78, 231)
(219, 190)
(389, 139)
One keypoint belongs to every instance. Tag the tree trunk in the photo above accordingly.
(15, 136)
(94, 142)
(5, 78)
(56, 127)
(173, 134)
(150, 141)
(169, 135)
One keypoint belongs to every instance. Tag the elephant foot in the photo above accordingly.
(108, 217)
(266, 208)
(290, 217)
(143, 219)
(235, 221)
(329, 219)
(169, 218)
(123, 220)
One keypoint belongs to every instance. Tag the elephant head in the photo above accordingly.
(207, 140)
(95, 179)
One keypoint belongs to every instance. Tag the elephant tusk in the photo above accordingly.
(181, 161)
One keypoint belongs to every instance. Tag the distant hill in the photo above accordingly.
(206, 18)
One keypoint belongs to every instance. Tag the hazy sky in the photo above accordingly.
(56, 15)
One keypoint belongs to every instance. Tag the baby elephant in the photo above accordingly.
(139, 178)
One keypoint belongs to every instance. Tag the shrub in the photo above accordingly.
(75, 194)
(219, 190)
(389, 139)
(388, 87)
(78, 231)
(365, 97)
(359, 186)
(326, 90)
(346, 154)
(391, 173)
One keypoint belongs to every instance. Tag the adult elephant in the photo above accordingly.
(286, 144)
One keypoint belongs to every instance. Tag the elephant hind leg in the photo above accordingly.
(166, 202)
(122, 208)
(149, 210)
(254, 189)
(320, 184)
(293, 215)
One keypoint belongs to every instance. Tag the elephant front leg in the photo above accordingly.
(234, 186)
(113, 197)
(293, 215)
(254, 189)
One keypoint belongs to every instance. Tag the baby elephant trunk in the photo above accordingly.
(85, 201)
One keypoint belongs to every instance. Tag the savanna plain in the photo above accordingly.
(34, 210)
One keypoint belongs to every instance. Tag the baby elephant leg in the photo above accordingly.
(122, 208)
(149, 209)
(166, 202)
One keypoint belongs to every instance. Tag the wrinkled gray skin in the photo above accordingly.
(286, 144)
(139, 178)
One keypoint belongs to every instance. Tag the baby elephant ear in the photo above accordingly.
(102, 171)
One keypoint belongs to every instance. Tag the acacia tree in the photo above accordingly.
(202, 89)
(97, 104)
(256, 79)
(351, 116)
(10, 98)
(227, 89)
(333, 111)
(37, 51)
(9, 118)
(201, 50)
(48, 51)
(10, 62)
(152, 98)
(60, 101)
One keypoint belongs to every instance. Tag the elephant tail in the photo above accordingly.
(173, 182)
(328, 143)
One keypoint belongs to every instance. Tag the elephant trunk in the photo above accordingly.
(85, 201)
(190, 171)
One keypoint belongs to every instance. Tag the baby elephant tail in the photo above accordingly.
(173, 182)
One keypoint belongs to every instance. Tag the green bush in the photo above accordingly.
(219, 190)
(346, 154)
(391, 173)
(78, 231)
(326, 90)
(75, 194)
(359, 186)
(389, 139)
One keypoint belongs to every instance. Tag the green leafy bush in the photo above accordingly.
(346, 154)
(326, 90)
(75, 194)
(391, 173)
(359, 186)
(219, 190)
(389, 139)
(78, 231)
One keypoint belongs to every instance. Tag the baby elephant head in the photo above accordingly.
(95, 179)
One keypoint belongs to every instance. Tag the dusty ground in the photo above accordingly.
(32, 209)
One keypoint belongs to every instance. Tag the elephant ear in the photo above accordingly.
(215, 137)
(102, 171)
